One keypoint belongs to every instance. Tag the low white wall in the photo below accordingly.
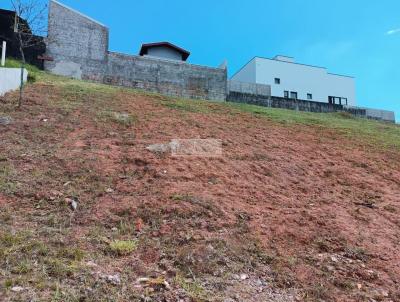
(10, 79)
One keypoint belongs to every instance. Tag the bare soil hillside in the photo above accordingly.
(299, 207)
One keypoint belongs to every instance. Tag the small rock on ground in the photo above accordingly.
(17, 289)
(5, 120)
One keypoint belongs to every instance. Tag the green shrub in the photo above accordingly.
(123, 247)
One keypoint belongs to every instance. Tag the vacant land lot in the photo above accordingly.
(299, 207)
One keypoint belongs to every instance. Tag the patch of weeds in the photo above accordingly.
(126, 227)
(323, 245)
(6, 216)
(8, 283)
(23, 267)
(203, 206)
(35, 247)
(121, 118)
(201, 259)
(373, 133)
(124, 212)
(192, 288)
(57, 268)
(194, 106)
(344, 115)
(178, 197)
(390, 208)
(261, 157)
(74, 254)
(150, 216)
(343, 284)
(242, 222)
(317, 292)
(123, 247)
(356, 253)
(7, 183)
(283, 278)
(8, 240)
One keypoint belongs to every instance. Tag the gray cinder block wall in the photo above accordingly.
(79, 46)
(249, 88)
(250, 95)
(168, 77)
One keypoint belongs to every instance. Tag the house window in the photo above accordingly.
(337, 100)
(286, 94)
(309, 96)
(277, 81)
(293, 95)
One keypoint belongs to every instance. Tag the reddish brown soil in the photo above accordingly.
(324, 207)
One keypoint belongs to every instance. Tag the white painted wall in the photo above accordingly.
(299, 78)
(247, 74)
(10, 79)
(165, 53)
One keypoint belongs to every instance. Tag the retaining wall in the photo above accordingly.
(379, 114)
(309, 106)
(249, 88)
(10, 79)
(167, 77)
(79, 46)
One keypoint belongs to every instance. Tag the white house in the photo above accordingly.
(289, 79)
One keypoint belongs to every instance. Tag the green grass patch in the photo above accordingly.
(7, 183)
(123, 247)
(33, 71)
(381, 134)
(194, 106)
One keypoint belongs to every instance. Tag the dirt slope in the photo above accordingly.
(292, 211)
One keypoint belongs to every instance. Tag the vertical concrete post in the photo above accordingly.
(3, 54)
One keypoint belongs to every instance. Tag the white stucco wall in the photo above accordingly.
(165, 53)
(299, 78)
(10, 79)
(247, 74)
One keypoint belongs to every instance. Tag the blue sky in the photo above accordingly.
(354, 37)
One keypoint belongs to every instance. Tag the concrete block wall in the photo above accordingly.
(309, 106)
(379, 114)
(276, 102)
(77, 43)
(79, 46)
(169, 77)
(249, 88)
(10, 79)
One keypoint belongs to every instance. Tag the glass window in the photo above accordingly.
(277, 81)
(286, 94)
(309, 96)
(293, 95)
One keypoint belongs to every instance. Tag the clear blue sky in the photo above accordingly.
(354, 37)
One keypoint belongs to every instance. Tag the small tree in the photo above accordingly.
(29, 24)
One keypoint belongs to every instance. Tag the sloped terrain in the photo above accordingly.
(299, 207)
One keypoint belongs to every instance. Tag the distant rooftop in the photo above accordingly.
(284, 58)
(145, 48)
